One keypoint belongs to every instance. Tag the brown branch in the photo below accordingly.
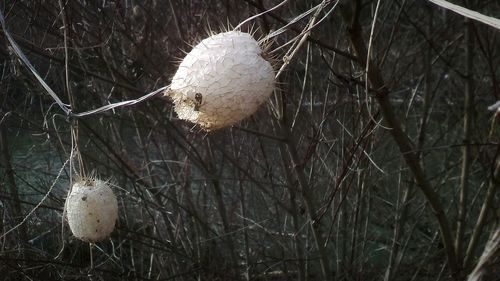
(481, 220)
(401, 138)
(11, 183)
(466, 149)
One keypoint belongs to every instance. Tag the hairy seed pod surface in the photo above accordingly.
(92, 210)
(223, 80)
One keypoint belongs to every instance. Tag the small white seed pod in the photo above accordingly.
(92, 210)
(223, 80)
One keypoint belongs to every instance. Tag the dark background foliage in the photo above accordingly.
(317, 185)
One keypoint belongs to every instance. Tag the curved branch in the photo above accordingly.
(401, 138)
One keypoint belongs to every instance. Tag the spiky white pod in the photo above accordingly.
(92, 210)
(223, 80)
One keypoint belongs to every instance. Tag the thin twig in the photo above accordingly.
(66, 107)
(261, 14)
(491, 21)
(20, 54)
(39, 203)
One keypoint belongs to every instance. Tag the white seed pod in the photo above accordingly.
(223, 80)
(92, 210)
